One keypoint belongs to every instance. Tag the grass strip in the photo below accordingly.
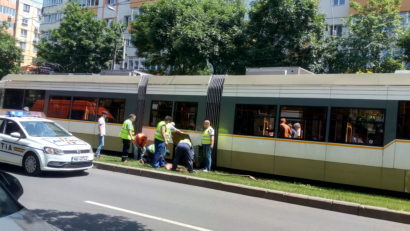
(370, 197)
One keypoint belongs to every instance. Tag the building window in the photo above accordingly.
(51, 3)
(26, 8)
(34, 99)
(185, 115)
(23, 45)
(336, 30)
(307, 123)
(52, 18)
(13, 99)
(114, 107)
(135, 13)
(59, 107)
(87, 3)
(160, 109)
(7, 11)
(403, 125)
(24, 21)
(357, 126)
(127, 19)
(339, 2)
(255, 120)
(84, 109)
(23, 33)
(111, 2)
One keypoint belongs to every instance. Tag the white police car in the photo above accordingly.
(38, 144)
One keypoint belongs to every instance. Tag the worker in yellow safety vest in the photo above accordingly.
(127, 135)
(208, 138)
(184, 150)
(160, 141)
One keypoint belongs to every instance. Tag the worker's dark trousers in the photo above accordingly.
(183, 151)
(125, 149)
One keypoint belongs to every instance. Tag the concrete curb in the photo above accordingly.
(293, 198)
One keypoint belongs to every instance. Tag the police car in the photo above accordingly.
(38, 144)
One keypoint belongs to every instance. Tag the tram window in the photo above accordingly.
(13, 99)
(34, 99)
(84, 109)
(185, 115)
(255, 120)
(357, 126)
(403, 125)
(307, 123)
(160, 109)
(114, 107)
(59, 107)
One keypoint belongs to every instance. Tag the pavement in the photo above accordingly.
(105, 200)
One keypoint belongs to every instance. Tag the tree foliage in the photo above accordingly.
(404, 43)
(286, 33)
(82, 44)
(191, 36)
(10, 54)
(371, 43)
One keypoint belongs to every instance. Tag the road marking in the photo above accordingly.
(148, 216)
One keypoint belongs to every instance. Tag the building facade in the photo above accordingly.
(108, 10)
(23, 20)
(338, 11)
(27, 28)
(52, 14)
(8, 14)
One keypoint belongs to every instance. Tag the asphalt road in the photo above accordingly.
(103, 200)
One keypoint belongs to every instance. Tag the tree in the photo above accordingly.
(371, 43)
(286, 33)
(10, 54)
(191, 36)
(404, 44)
(82, 44)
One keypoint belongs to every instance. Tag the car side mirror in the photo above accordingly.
(15, 134)
(12, 184)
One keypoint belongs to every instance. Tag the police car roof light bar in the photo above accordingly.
(16, 113)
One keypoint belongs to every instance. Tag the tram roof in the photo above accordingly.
(73, 78)
(321, 79)
(318, 79)
(154, 80)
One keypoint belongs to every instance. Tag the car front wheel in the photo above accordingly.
(31, 165)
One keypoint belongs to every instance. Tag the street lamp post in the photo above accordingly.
(122, 39)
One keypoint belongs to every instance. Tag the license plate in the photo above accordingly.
(79, 158)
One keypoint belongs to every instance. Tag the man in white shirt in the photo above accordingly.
(101, 133)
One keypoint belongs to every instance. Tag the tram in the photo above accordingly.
(353, 129)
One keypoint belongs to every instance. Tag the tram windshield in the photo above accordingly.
(44, 129)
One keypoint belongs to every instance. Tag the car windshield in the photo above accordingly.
(44, 129)
(7, 204)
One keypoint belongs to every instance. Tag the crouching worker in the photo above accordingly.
(185, 151)
(140, 141)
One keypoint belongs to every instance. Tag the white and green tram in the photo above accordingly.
(354, 129)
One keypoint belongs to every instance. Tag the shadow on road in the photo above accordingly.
(19, 171)
(70, 221)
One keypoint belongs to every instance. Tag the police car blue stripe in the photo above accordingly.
(21, 145)
(10, 153)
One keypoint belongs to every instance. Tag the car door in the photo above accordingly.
(4, 156)
(11, 146)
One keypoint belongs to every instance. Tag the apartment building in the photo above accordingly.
(27, 28)
(121, 11)
(23, 20)
(338, 11)
(124, 11)
(8, 14)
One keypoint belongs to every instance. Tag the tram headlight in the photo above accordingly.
(53, 151)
